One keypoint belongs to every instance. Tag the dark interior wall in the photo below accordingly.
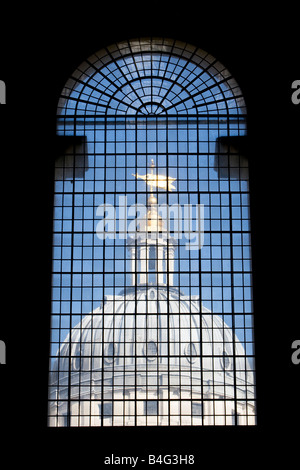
(38, 58)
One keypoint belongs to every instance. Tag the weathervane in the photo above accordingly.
(157, 181)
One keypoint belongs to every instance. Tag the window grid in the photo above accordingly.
(203, 361)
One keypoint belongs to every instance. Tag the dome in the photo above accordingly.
(155, 327)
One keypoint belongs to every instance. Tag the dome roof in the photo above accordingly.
(147, 325)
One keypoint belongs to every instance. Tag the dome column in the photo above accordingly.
(132, 252)
(170, 263)
(143, 264)
(160, 270)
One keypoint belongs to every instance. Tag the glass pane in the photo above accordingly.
(151, 282)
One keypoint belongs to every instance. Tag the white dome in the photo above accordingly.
(158, 327)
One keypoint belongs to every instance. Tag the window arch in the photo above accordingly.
(151, 77)
(132, 103)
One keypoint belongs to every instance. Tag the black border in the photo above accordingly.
(40, 51)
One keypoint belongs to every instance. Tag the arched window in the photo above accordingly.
(153, 77)
(167, 107)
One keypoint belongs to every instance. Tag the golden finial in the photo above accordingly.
(158, 181)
